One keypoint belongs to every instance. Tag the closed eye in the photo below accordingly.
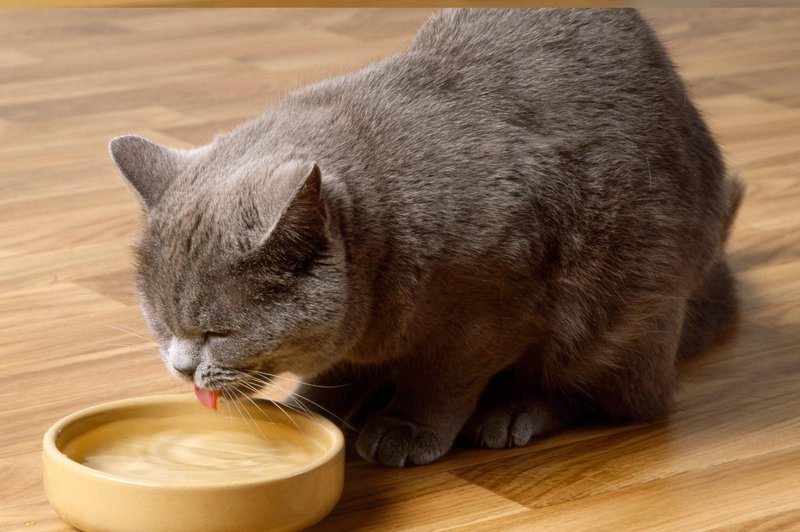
(212, 335)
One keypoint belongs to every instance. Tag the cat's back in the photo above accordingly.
(490, 73)
(465, 31)
(530, 107)
(540, 39)
(563, 61)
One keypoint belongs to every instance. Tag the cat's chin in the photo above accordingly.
(236, 383)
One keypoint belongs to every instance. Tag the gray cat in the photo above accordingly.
(517, 221)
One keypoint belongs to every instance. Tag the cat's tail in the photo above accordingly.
(715, 303)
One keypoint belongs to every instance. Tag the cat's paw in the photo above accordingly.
(510, 425)
(391, 441)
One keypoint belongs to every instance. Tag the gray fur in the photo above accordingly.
(144, 165)
(516, 217)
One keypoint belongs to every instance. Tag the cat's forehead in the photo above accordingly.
(219, 209)
(196, 227)
(211, 224)
(218, 192)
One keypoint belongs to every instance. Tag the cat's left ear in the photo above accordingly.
(306, 203)
(300, 230)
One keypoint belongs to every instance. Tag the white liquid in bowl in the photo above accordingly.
(190, 449)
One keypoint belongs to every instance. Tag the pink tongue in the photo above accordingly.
(207, 398)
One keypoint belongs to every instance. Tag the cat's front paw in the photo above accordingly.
(513, 424)
(392, 441)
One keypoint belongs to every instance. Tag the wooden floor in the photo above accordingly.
(727, 456)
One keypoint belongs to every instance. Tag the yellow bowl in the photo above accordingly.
(95, 499)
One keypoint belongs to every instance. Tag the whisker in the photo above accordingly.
(244, 407)
(299, 396)
(285, 413)
(344, 422)
(256, 404)
(310, 413)
(245, 413)
(293, 395)
(297, 399)
(300, 405)
(297, 381)
(250, 416)
(149, 340)
(228, 404)
(276, 403)
(239, 410)
(292, 408)
(263, 384)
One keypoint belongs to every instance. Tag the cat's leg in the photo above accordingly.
(435, 394)
(513, 410)
(638, 368)
(628, 376)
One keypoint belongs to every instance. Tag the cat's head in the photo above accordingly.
(240, 271)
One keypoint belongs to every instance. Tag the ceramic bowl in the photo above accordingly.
(92, 499)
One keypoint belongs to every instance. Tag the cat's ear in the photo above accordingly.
(147, 167)
(301, 229)
(306, 204)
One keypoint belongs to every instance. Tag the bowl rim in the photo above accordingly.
(51, 450)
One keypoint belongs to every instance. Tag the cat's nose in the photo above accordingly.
(183, 357)
(186, 368)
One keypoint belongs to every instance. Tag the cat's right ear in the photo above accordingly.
(146, 166)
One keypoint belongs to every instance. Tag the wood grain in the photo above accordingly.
(325, 3)
(728, 455)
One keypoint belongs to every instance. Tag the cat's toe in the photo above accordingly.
(512, 425)
(397, 442)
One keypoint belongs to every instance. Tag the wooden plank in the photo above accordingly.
(727, 455)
